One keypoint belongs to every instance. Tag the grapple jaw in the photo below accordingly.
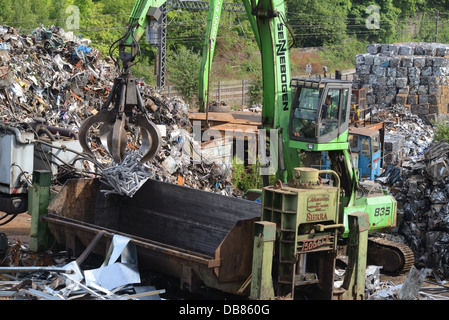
(127, 111)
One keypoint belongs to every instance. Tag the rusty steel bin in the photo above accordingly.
(202, 238)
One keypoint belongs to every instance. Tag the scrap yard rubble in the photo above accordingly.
(52, 80)
(57, 76)
(117, 278)
(407, 135)
(407, 88)
(423, 211)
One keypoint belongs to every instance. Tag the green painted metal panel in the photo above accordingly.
(318, 147)
(38, 200)
(139, 18)
(261, 279)
(354, 281)
(381, 209)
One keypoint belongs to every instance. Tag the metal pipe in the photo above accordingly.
(19, 137)
(40, 295)
(41, 129)
(34, 269)
(63, 132)
(302, 263)
(110, 96)
(337, 178)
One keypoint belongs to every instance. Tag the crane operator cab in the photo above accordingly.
(319, 118)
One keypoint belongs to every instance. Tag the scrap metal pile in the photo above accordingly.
(46, 276)
(174, 163)
(50, 74)
(407, 135)
(417, 174)
(57, 76)
(406, 83)
(421, 190)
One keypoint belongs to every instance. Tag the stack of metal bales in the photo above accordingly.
(415, 75)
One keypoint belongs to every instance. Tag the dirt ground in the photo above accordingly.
(18, 229)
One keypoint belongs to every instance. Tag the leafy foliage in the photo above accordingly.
(256, 91)
(342, 55)
(442, 131)
(337, 25)
(184, 66)
(247, 177)
(317, 22)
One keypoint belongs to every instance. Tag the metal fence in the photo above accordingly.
(233, 93)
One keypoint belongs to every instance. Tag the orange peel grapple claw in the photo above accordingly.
(127, 109)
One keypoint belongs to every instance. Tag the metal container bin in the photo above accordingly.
(202, 238)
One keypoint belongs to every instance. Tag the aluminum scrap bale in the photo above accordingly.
(406, 69)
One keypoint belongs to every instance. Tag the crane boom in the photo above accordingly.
(213, 21)
(142, 13)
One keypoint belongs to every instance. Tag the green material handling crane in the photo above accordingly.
(308, 114)
(213, 21)
(312, 115)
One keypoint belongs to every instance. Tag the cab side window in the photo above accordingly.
(344, 107)
(330, 112)
(365, 147)
(375, 143)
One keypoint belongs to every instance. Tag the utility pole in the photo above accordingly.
(436, 25)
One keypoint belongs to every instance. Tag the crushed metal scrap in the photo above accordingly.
(416, 166)
(416, 286)
(54, 75)
(407, 135)
(25, 275)
(423, 198)
(419, 184)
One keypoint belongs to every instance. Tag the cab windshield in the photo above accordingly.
(305, 113)
(319, 115)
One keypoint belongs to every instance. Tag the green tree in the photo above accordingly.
(184, 67)
(318, 22)
(57, 11)
(409, 7)
(341, 56)
(427, 28)
(441, 130)
(6, 12)
(388, 25)
(432, 5)
(22, 14)
(186, 29)
(256, 91)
